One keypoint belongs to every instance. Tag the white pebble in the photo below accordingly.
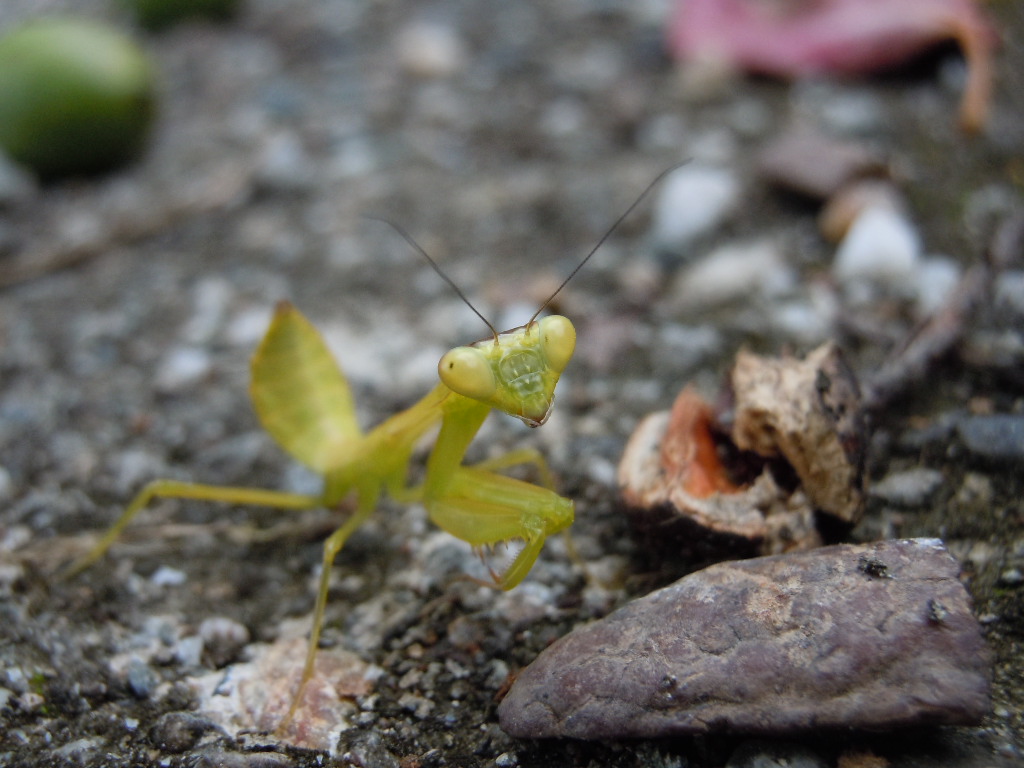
(909, 488)
(881, 250)
(284, 164)
(181, 368)
(210, 300)
(804, 321)
(936, 279)
(693, 201)
(248, 325)
(189, 651)
(430, 49)
(1009, 292)
(733, 272)
(165, 576)
(223, 638)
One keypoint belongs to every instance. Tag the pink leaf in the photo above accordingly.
(798, 38)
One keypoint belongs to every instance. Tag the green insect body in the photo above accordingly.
(304, 401)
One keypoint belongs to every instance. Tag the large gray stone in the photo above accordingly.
(871, 636)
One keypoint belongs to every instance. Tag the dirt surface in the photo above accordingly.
(506, 137)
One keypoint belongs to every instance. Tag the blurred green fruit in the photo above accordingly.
(76, 97)
(157, 14)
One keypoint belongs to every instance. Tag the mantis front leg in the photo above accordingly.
(484, 508)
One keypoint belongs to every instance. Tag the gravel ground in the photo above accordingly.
(506, 137)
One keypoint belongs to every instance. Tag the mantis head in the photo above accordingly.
(515, 371)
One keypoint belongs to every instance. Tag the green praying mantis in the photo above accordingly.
(304, 402)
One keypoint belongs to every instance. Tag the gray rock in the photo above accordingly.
(996, 437)
(909, 488)
(693, 202)
(872, 636)
(142, 680)
(177, 732)
(223, 639)
(814, 164)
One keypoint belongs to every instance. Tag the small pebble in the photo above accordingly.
(911, 488)
(181, 369)
(693, 201)
(430, 49)
(815, 164)
(996, 437)
(881, 250)
(165, 576)
(734, 272)
(189, 651)
(78, 752)
(845, 111)
(247, 327)
(936, 279)
(177, 732)
(285, 166)
(367, 749)
(1011, 578)
(1009, 292)
(223, 638)
(771, 754)
(976, 490)
(142, 680)
(211, 298)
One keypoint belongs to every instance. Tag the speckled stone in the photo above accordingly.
(872, 636)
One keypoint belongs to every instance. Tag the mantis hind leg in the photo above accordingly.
(332, 546)
(176, 489)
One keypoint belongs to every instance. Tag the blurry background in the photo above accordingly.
(506, 138)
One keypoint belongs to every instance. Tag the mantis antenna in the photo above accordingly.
(606, 235)
(494, 331)
(409, 239)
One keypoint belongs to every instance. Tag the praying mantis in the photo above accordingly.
(304, 402)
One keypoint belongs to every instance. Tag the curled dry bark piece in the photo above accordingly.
(872, 636)
(808, 412)
(803, 412)
(676, 487)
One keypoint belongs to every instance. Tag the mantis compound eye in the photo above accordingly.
(558, 338)
(467, 371)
